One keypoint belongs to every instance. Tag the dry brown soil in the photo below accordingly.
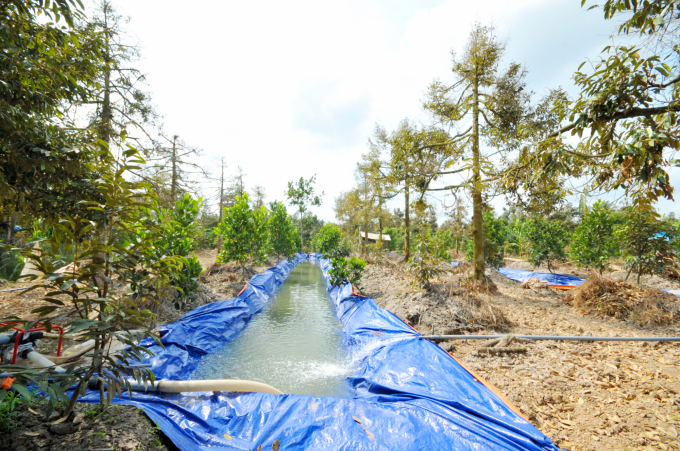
(584, 396)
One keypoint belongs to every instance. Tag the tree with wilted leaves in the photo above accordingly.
(482, 103)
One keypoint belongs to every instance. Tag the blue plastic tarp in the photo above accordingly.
(522, 276)
(409, 393)
(519, 275)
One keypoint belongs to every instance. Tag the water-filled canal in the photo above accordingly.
(294, 344)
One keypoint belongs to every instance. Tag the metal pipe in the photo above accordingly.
(547, 337)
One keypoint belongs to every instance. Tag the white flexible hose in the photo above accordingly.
(44, 362)
(206, 385)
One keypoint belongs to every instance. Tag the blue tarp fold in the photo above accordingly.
(519, 275)
(409, 393)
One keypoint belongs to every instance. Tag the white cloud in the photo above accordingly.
(290, 89)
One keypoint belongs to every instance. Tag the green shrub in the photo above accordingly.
(593, 242)
(11, 264)
(282, 234)
(396, 243)
(423, 264)
(441, 242)
(518, 236)
(330, 242)
(245, 233)
(548, 240)
(346, 270)
(648, 244)
(179, 233)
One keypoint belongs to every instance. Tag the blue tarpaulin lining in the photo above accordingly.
(520, 275)
(409, 393)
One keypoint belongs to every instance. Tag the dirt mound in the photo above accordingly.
(641, 305)
(477, 286)
(447, 308)
(226, 273)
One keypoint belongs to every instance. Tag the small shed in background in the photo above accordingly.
(372, 238)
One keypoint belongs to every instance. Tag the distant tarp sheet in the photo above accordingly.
(409, 393)
(521, 276)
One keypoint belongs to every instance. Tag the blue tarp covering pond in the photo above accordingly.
(409, 393)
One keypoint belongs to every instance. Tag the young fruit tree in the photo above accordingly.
(330, 242)
(281, 231)
(496, 233)
(346, 270)
(548, 240)
(593, 242)
(648, 243)
(245, 233)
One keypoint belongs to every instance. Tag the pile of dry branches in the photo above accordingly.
(641, 305)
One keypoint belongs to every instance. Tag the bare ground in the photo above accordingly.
(123, 428)
(584, 396)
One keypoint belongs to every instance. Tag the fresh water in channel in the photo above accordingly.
(294, 344)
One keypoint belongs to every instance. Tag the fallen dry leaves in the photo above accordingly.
(584, 396)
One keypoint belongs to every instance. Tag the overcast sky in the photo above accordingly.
(290, 89)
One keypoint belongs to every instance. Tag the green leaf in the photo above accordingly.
(22, 391)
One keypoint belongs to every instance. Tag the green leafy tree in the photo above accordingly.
(281, 232)
(346, 270)
(593, 242)
(245, 233)
(495, 237)
(301, 195)
(548, 241)
(179, 226)
(47, 64)
(330, 242)
(396, 242)
(648, 243)
(105, 299)
(626, 116)
(415, 157)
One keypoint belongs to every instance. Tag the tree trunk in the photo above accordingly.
(10, 227)
(407, 223)
(219, 237)
(477, 208)
(301, 243)
(106, 106)
(173, 187)
(380, 229)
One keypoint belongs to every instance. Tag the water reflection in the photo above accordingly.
(294, 344)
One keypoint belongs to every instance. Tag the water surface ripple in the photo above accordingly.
(294, 344)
